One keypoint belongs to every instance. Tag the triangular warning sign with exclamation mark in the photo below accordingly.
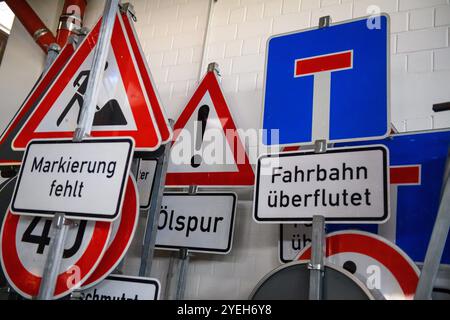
(207, 150)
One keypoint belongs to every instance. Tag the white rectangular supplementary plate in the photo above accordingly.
(202, 222)
(293, 239)
(84, 180)
(145, 179)
(344, 185)
(116, 287)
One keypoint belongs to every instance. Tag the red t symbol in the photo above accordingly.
(321, 67)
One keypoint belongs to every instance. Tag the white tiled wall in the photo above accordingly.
(172, 32)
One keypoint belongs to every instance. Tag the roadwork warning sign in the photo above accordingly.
(343, 185)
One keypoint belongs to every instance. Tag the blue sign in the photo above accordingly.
(329, 83)
(417, 170)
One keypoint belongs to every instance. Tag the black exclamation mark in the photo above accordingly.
(202, 118)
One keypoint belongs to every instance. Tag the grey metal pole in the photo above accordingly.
(148, 246)
(206, 37)
(56, 248)
(169, 276)
(84, 126)
(184, 262)
(53, 260)
(52, 54)
(182, 274)
(316, 264)
(437, 242)
(318, 245)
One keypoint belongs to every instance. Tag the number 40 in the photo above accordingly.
(43, 240)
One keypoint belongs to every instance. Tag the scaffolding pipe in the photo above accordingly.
(71, 20)
(32, 23)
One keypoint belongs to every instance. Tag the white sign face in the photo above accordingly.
(343, 185)
(202, 222)
(83, 180)
(145, 180)
(293, 238)
(116, 287)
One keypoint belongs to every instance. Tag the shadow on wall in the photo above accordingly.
(3, 41)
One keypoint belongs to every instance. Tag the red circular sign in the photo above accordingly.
(123, 230)
(360, 250)
(24, 247)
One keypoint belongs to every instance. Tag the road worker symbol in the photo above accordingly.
(109, 114)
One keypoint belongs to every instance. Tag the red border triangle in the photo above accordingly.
(147, 136)
(163, 125)
(244, 176)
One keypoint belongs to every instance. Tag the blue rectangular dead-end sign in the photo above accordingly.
(328, 83)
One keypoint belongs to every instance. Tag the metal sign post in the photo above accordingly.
(59, 222)
(182, 273)
(437, 241)
(84, 126)
(53, 261)
(148, 246)
(184, 260)
(318, 245)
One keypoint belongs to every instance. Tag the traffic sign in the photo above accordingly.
(293, 238)
(207, 149)
(417, 163)
(123, 108)
(6, 191)
(202, 222)
(164, 127)
(379, 263)
(8, 156)
(84, 179)
(328, 83)
(291, 282)
(25, 245)
(343, 185)
(118, 287)
(145, 180)
(122, 234)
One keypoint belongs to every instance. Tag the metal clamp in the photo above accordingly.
(320, 146)
(324, 22)
(192, 189)
(69, 26)
(128, 8)
(39, 33)
(54, 47)
(73, 16)
(214, 67)
(316, 266)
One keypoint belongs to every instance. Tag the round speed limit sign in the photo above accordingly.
(24, 247)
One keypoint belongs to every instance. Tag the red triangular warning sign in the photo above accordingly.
(123, 107)
(207, 150)
(158, 111)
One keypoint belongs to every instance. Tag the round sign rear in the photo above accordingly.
(291, 282)
(24, 247)
(380, 264)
